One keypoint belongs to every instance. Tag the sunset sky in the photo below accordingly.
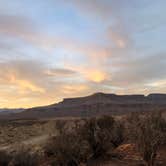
(53, 49)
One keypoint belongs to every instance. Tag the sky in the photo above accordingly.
(55, 49)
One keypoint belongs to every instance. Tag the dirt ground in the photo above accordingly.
(35, 133)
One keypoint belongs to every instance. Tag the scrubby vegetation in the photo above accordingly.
(5, 158)
(96, 138)
(149, 133)
(23, 157)
(85, 141)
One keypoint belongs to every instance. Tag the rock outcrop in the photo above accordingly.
(97, 104)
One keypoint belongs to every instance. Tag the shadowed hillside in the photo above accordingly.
(96, 104)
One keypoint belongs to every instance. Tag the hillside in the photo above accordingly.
(96, 104)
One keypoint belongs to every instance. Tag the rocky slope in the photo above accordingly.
(96, 104)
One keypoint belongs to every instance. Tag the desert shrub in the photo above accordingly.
(97, 135)
(102, 135)
(24, 157)
(118, 134)
(149, 133)
(60, 124)
(88, 139)
(131, 123)
(68, 149)
(5, 158)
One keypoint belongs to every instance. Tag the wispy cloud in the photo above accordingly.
(81, 47)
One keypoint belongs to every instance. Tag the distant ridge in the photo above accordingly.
(6, 111)
(96, 104)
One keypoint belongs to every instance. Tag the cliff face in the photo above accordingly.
(114, 99)
(97, 104)
(157, 98)
(101, 103)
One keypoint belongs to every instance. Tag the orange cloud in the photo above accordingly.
(96, 76)
(25, 84)
(69, 89)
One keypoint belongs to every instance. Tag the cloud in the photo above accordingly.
(139, 71)
(25, 30)
(39, 65)
(74, 89)
(159, 83)
(21, 75)
(16, 25)
(94, 7)
(118, 36)
(96, 76)
(24, 83)
(60, 72)
(34, 75)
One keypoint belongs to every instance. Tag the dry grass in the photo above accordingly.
(15, 132)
